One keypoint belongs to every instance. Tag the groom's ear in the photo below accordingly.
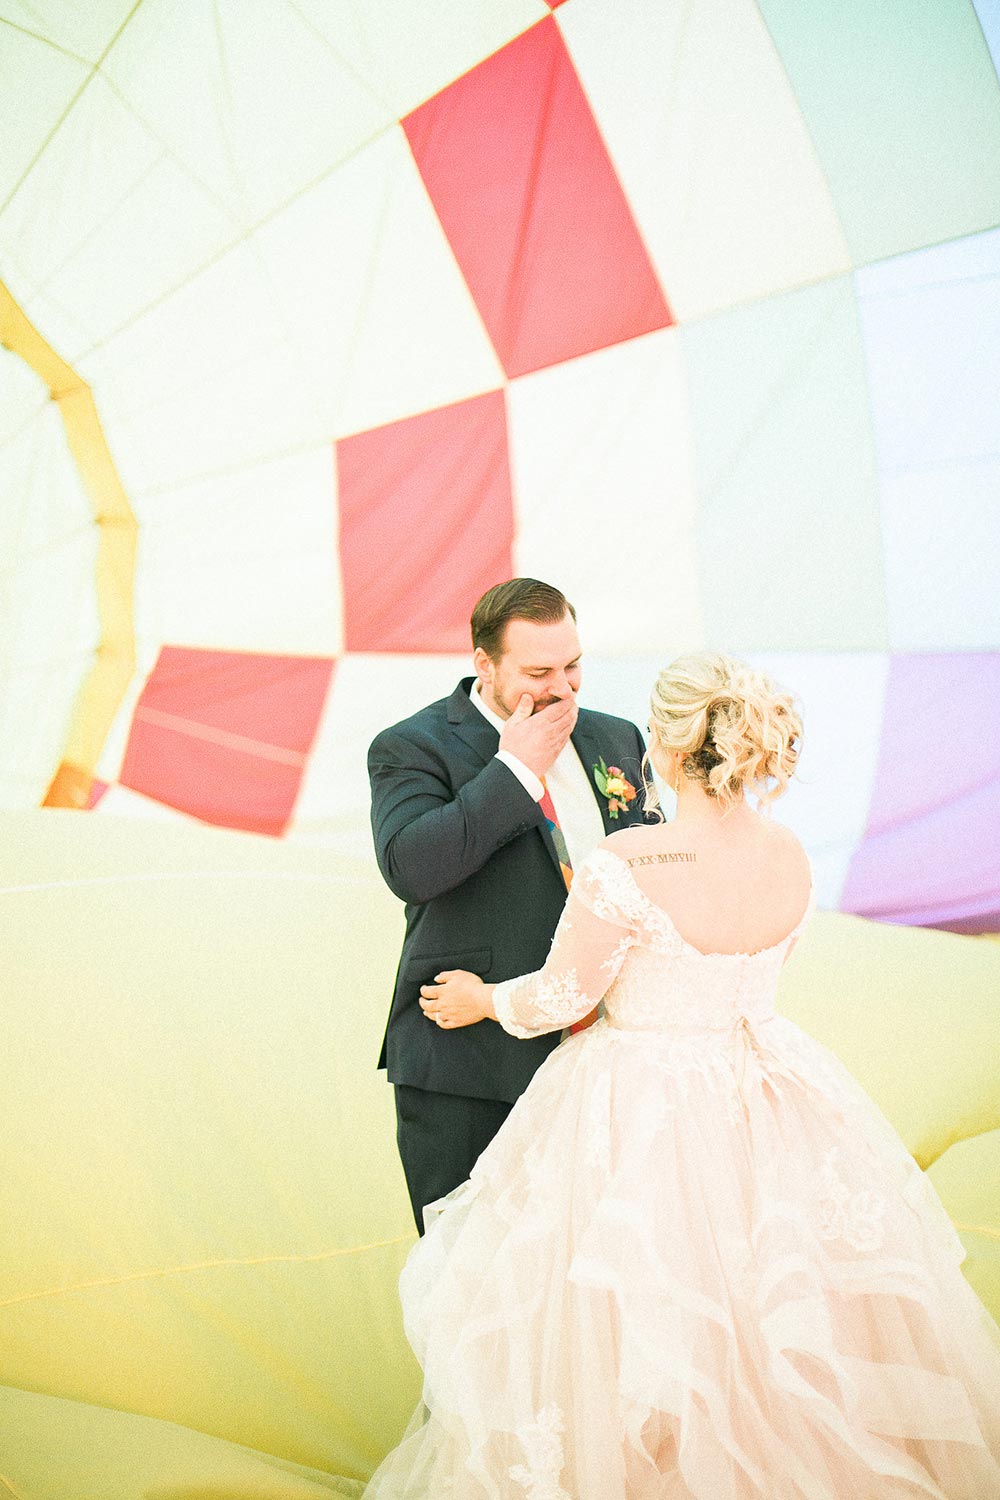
(483, 664)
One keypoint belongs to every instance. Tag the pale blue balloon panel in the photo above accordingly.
(788, 530)
(988, 12)
(903, 106)
(931, 327)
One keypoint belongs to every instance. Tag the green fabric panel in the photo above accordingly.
(903, 105)
(789, 546)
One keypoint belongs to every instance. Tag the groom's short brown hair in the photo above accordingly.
(517, 599)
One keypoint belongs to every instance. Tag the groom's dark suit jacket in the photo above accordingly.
(460, 840)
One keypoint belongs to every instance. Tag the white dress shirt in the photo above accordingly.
(569, 784)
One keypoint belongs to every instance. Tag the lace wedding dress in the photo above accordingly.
(696, 1261)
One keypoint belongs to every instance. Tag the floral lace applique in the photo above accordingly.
(843, 1215)
(542, 1444)
(610, 891)
(616, 957)
(561, 998)
(558, 1000)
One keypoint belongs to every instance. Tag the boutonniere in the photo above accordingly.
(611, 783)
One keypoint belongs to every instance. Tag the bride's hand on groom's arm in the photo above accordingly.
(457, 998)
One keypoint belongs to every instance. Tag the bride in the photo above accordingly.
(696, 1261)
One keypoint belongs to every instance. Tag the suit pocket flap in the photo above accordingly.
(426, 965)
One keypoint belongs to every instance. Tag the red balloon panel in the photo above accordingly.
(426, 525)
(224, 735)
(521, 180)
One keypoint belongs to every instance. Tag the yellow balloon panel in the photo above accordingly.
(968, 1180)
(66, 1450)
(210, 1215)
(207, 1217)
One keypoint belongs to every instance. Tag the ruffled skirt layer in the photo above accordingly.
(695, 1266)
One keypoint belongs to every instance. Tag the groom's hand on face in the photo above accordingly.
(537, 738)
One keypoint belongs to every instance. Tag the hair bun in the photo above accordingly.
(733, 724)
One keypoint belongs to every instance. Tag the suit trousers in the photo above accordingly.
(440, 1139)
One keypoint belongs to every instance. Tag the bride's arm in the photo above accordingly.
(588, 949)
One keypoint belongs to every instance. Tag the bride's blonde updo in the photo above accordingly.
(734, 726)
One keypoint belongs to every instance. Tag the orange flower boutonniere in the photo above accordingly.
(611, 783)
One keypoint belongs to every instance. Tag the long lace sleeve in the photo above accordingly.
(588, 949)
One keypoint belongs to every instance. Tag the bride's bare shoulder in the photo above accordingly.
(629, 843)
(788, 846)
(624, 839)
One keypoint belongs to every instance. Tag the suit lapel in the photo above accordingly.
(587, 748)
(469, 724)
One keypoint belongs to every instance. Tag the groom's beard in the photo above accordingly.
(508, 708)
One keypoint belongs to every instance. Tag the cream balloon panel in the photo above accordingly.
(276, 94)
(104, 223)
(723, 226)
(211, 556)
(251, 103)
(48, 621)
(81, 33)
(344, 313)
(43, 82)
(605, 492)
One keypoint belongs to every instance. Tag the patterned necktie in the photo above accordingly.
(566, 866)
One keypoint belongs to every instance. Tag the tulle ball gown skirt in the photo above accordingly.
(695, 1267)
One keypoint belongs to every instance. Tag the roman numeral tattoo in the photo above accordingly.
(660, 859)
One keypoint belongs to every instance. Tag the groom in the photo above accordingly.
(464, 798)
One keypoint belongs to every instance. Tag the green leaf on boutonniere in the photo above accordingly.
(601, 777)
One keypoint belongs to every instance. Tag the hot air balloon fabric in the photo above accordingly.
(318, 323)
(317, 318)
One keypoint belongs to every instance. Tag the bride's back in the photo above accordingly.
(735, 889)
